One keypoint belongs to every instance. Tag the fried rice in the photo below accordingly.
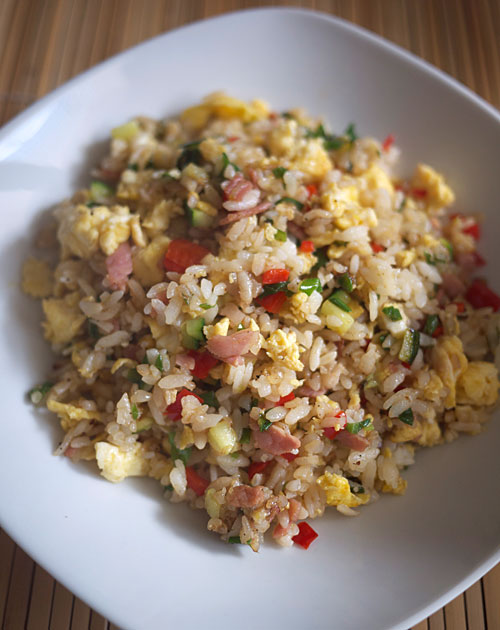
(260, 315)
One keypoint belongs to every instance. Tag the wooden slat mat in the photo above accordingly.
(43, 43)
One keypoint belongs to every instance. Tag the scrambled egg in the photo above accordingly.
(375, 177)
(116, 464)
(312, 159)
(478, 384)
(405, 433)
(83, 230)
(157, 221)
(211, 150)
(434, 388)
(119, 363)
(400, 488)
(147, 262)
(282, 347)
(220, 328)
(449, 361)
(63, 318)
(70, 414)
(225, 107)
(439, 194)
(338, 491)
(37, 279)
(431, 433)
(404, 258)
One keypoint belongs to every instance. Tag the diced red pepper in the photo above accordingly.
(388, 142)
(182, 253)
(406, 365)
(479, 295)
(479, 261)
(174, 411)
(438, 332)
(474, 230)
(307, 247)
(232, 138)
(305, 536)
(203, 363)
(312, 189)
(285, 399)
(419, 193)
(196, 482)
(272, 303)
(257, 467)
(331, 432)
(275, 275)
(377, 248)
(289, 456)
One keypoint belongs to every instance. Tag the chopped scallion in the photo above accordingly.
(210, 399)
(355, 427)
(234, 540)
(392, 313)
(407, 416)
(340, 299)
(134, 376)
(346, 282)
(279, 171)
(309, 285)
(245, 436)
(431, 324)
(280, 236)
(205, 307)
(264, 423)
(176, 452)
(226, 162)
(297, 203)
(134, 411)
(410, 346)
(159, 362)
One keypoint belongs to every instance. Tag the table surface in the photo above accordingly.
(43, 43)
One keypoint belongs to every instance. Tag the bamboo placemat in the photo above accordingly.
(43, 43)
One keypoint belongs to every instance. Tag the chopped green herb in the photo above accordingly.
(392, 313)
(94, 330)
(226, 162)
(254, 403)
(205, 307)
(133, 167)
(279, 171)
(431, 324)
(144, 425)
(168, 488)
(321, 259)
(430, 260)
(341, 243)
(245, 436)
(355, 427)
(280, 236)
(346, 282)
(100, 191)
(333, 143)
(270, 289)
(340, 299)
(150, 164)
(401, 206)
(178, 453)
(38, 393)
(134, 376)
(356, 487)
(410, 346)
(350, 132)
(159, 362)
(235, 455)
(383, 337)
(287, 115)
(190, 154)
(297, 203)
(448, 246)
(309, 285)
(210, 399)
(407, 416)
(371, 381)
(91, 204)
(234, 540)
(264, 423)
(134, 411)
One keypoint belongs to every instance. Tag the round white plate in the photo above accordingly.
(147, 564)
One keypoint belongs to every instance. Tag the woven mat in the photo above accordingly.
(43, 43)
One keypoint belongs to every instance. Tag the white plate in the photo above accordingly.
(139, 560)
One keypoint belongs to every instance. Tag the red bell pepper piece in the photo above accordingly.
(438, 332)
(285, 399)
(474, 230)
(307, 247)
(377, 248)
(203, 363)
(196, 482)
(275, 275)
(312, 189)
(479, 295)
(182, 253)
(331, 432)
(419, 193)
(460, 306)
(305, 536)
(289, 456)
(388, 142)
(272, 303)
(257, 467)
(174, 411)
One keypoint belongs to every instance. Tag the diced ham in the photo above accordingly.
(352, 440)
(275, 440)
(452, 285)
(279, 530)
(243, 214)
(467, 261)
(236, 188)
(296, 230)
(119, 267)
(305, 390)
(231, 348)
(244, 496)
